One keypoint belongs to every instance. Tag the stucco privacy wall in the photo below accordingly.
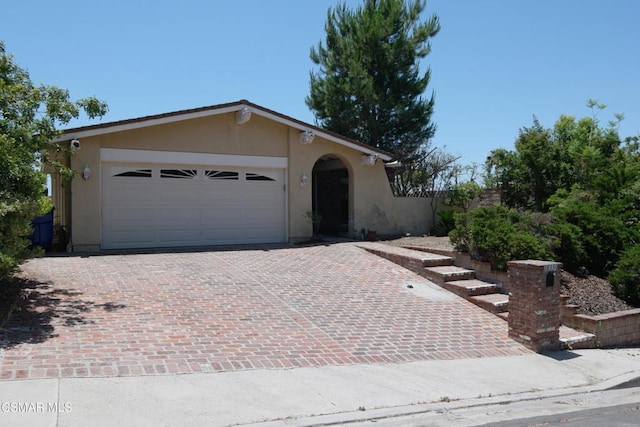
(372, 205)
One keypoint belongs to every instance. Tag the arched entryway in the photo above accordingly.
(331, 195)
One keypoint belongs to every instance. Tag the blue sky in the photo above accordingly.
(494, 64)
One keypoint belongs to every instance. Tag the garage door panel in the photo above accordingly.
(179, 236)
(132, 193)
(260, 217)
(177, 195)
(163, 206)
(130, 238)
(225, 234)
(180, 217)
(117, 216)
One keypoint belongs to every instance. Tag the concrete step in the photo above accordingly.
(407, 258)
(494, 303)
(570, 339)
(470, 288)
(450, 273)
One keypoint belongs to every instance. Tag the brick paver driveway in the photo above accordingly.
(147, 314)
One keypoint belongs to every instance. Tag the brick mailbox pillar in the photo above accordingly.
(534, 304)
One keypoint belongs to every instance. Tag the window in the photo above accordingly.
(216, 175)
(178, 173)
(257, 177)
(131, 173)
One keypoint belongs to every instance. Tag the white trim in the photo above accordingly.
(122, 155)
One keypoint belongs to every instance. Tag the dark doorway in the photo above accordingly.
(331, 195)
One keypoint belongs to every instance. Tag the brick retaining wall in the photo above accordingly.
(611, 329)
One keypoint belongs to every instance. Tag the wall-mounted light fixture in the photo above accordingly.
(74, 145)
(306, 137)
(243, 116)
(393, 165)
(86, 173)
(369, 159)
(303, 180)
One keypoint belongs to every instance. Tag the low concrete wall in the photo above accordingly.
(399, 215)
(611, 329)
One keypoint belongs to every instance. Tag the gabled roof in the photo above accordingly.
(176, 116)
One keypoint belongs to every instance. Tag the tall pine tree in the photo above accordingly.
(367, 84)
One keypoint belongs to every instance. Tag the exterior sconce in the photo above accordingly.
(303, 180)
(306, 137)
(393, 165)
(243, 116)
(369, 159)
(86, 173)
(74, 145)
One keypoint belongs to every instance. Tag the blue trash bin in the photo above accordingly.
(42, 230)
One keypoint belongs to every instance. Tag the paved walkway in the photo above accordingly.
(199, 312)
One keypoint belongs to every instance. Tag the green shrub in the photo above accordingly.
(460, 236)
(564, 240)
(602, 234)
(498, 235)
(446, 223)
(625, 278)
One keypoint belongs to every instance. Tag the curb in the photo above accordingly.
(624, 381)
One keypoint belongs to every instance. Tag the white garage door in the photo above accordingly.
(147, 206)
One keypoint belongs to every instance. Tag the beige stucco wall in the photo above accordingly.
(372, 205)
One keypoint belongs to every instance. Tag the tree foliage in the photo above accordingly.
(368, 84)
(572, 153)
(579, 185)
(29, 116)
(625, 278)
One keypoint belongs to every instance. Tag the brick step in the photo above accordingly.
(450, 273)
(504, 315)
(571, 339)
(407, 258)
(494, 303)
(470, 288)
(445, 252)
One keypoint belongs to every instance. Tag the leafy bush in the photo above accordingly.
(463, 195)
(562, 239)
(28, 117)
(460, 236)
(498, 235)
(446, 223)
(602, 235)
(625, 278)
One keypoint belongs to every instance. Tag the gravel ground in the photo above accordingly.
(591, 293)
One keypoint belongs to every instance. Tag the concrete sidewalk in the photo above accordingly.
(311, 396)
